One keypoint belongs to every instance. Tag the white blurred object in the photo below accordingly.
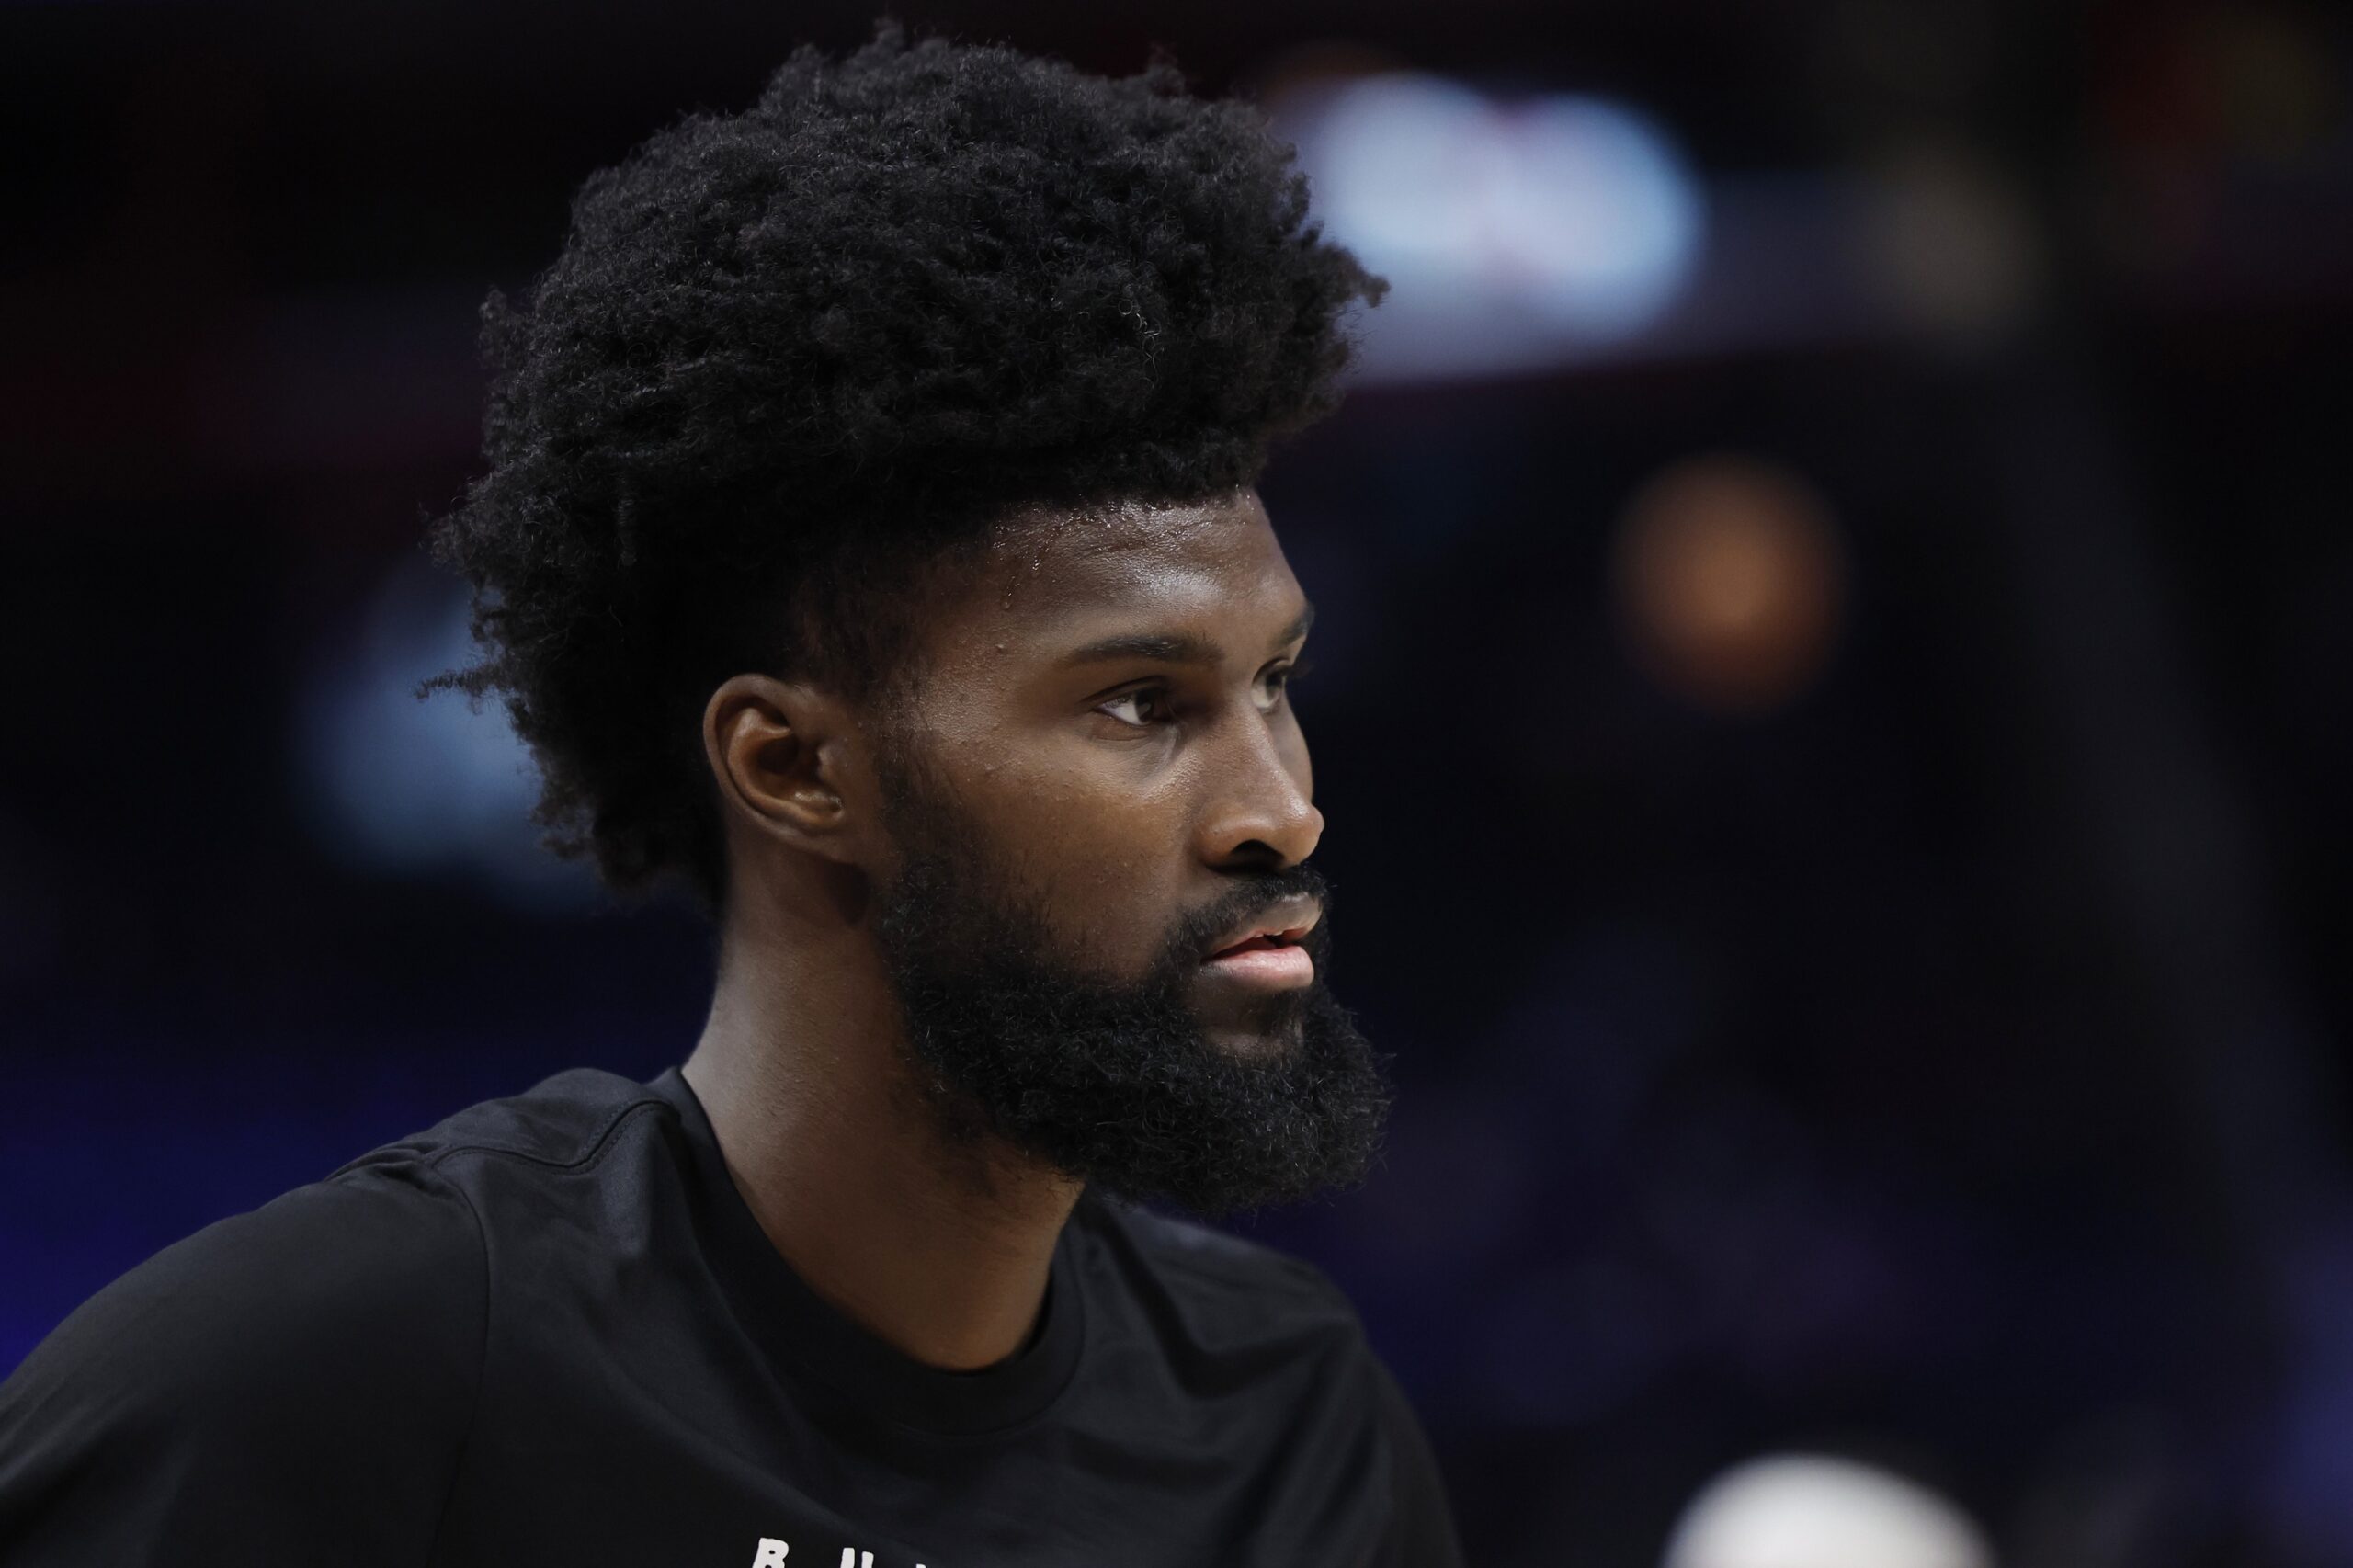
(1809, 1511)
(1515, 232)
(395, 784)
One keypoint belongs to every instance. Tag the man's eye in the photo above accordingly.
(1140, 707)
(1279, 681)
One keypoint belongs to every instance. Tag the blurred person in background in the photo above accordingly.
(868, 545)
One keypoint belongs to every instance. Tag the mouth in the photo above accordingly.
(1266, 953)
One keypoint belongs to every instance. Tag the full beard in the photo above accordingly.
(1120, 1085)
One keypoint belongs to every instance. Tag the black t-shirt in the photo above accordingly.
(548, 1330)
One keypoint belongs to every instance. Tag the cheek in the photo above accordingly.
(1102, 856)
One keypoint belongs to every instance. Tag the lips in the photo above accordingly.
(1263, 955)
(1283, 927)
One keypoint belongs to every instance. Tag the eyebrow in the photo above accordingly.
(1173, 647)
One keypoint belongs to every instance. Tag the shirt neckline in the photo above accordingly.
(802, 1334)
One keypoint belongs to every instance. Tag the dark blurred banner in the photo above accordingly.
(1834, 701)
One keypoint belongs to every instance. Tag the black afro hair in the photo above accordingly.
(789, 357)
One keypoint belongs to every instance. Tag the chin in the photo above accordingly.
(1252, 1041)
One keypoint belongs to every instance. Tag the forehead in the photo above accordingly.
(1056, 578)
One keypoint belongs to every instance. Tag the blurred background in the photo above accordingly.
(1833, 701)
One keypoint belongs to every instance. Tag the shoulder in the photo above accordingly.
(1220, 1311)
(570, 1120)
(328, 1345)
(320, 1353)
(1230, 1314)
(326, 1271)
(1216, 1278)
(370, 1259)
(383, 1261)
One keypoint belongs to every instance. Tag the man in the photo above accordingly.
(868, 543)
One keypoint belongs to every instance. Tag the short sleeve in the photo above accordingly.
(1421, 1525)
(289, 1386)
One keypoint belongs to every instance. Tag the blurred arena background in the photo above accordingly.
(1834, 698)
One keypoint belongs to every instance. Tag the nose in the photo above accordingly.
(1260, 807)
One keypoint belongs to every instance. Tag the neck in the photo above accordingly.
(940, 1249)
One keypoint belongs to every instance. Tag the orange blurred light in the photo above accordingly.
(1729, 579)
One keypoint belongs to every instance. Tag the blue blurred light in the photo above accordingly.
(414, 787)
(1516, 235)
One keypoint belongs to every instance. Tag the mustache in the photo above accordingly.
(1251, 895)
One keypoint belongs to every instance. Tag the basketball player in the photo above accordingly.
(867, 545)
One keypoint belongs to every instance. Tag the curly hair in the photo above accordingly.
(792, 360)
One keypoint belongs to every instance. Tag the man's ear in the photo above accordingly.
(779, 752)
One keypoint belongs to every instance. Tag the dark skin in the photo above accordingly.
(1103, 698)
